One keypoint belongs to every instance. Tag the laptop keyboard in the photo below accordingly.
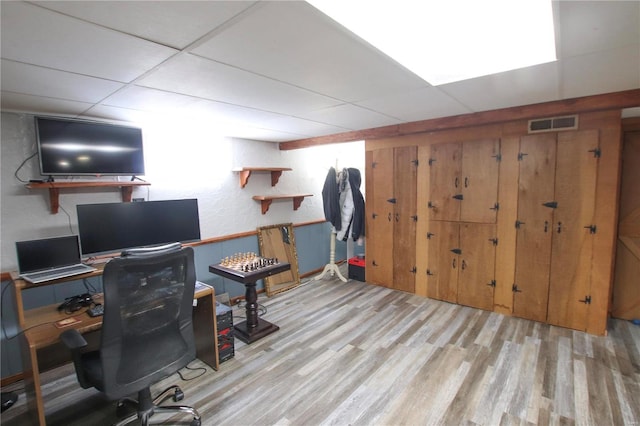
(59, 272)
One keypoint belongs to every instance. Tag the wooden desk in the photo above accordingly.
(42, 349)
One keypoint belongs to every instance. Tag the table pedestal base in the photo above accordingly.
(251, 334)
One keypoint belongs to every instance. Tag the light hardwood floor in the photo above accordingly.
(358, 354)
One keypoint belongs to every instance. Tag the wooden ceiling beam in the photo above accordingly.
(616, 100)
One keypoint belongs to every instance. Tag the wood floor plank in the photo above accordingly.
(357, 354)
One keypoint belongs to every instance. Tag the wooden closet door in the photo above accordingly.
(572, 247)
(404, 218)
(443, 263)
(479, 181)
(537, 160)
(379, 241)
(477, 265)
(445, 169)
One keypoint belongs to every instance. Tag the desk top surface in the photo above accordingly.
(41, 327)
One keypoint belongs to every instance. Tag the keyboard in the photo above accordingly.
(96, 311)
(54, 274)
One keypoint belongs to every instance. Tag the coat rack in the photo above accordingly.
(331, 267)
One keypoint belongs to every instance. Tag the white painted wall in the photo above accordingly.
(181, 161)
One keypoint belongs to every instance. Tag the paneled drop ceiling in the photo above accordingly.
(275, 70)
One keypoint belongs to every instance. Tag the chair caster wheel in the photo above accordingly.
(195, 422)
(178, 395)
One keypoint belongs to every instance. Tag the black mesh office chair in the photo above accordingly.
(147, 330)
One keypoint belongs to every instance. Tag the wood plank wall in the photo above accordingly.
(608, 124)
(626, 289)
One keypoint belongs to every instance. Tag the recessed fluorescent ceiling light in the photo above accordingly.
(445, 41)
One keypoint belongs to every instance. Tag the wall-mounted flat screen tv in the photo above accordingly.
(114, 227)
(78, 147)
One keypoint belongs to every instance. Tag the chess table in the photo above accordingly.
(253, 328)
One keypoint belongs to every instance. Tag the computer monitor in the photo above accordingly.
(113, 227)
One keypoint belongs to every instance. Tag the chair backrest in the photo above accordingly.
(147, 331)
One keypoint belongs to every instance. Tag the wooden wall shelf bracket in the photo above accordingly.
(126, 188)
(265, 200)
(245, 173)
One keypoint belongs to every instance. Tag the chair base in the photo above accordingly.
(146, 408)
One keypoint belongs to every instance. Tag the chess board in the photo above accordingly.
(248, 267)
(248, 262)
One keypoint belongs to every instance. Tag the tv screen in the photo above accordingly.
(78, 147)
(113, 227)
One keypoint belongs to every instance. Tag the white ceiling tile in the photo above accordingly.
(146, 99)
(524, 86)
(293, 42)
(32, 80)
(201, 77)
(416, 105)
(40, 105)
(307, 128)
(38, 36)
(276, 70)
(592, 26)
(263, 135)
(229, 113)
(601, 72)
(175, 24)
(351, 117)
(125, 115)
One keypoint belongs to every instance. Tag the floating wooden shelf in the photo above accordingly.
(265, 200)
(54, 189)
(245, 173)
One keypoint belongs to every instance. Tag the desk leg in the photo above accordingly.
(253, 328)
(32, 385)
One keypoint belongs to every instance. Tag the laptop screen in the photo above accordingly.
(37, 255)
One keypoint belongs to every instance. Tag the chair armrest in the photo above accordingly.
(73, 340)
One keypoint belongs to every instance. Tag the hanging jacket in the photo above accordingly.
(346, 205)
(352, 205)
(331, 200)
(357, 226)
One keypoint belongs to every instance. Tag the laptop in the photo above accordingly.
(50, 259)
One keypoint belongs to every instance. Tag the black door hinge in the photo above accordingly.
(413, 270)
(596, 152)
(415, 162)
(415, 218)
(586, 300)
(492, 283)
(498, 157)
(515, 289)
(495, 207)
(592, 229)
(521, 155)
(374, 215)
(429, 272)
(430, 205)
(494, 241)
(429, 235)
(518, 224)
(431, 161)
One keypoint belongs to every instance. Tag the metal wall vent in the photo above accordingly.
(552, 124)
